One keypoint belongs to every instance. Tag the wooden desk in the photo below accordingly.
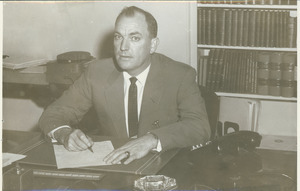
(278, 173)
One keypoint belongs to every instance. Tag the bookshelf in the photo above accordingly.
(232, 41)
(290, 7)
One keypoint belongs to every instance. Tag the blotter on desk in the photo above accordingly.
(42, 156)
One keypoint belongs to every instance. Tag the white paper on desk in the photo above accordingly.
(8, 158)
(69, 159)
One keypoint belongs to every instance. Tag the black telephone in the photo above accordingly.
(233, 152)
(232, 143)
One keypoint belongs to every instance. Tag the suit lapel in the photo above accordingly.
(114, 94)
(151, 98)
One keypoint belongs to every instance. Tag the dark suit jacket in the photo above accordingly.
(172, 107)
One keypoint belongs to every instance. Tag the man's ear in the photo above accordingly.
(154, 45)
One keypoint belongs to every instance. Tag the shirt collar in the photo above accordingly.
(142, 77)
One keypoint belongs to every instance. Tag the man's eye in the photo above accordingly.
(118, 37)
(135, 38)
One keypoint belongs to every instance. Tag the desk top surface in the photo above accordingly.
(278, 169)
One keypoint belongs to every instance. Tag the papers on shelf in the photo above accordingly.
(13, 62)
(8, 158)
(35, 70)
(69, 159)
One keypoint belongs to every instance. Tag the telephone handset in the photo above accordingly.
(232, 143)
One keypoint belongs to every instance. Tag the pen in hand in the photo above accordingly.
(90, 148)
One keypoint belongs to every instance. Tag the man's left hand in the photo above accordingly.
(136, 148)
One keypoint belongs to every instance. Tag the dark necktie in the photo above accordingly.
(132, 108)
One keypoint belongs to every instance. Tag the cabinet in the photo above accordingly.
(247, 54)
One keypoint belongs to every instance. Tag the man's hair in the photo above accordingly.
(150, 20)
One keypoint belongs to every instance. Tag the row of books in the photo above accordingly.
(277, 73)
(250, 2)
(238, 71)
(224, 70)
(277, 87)
(247, 27)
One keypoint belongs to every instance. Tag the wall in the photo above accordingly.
(45, 29)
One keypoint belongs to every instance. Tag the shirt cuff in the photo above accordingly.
(51, 133)
(158, 146)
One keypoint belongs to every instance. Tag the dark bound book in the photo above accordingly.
(203, 27)
(240, 34)
(210, 63)
(219, 71)
(268, 28)
(285, 16)
(258, 28)
(214, 26)
(276, 28)
(263, 28)
(202, 66)
(234, 27)
(208, 26)
(227, 73)
(214, 69)
(246, 27)
(281, 29)
(252, 27)
(292, 31)
(221, 27)
(272, 30)
(228, 26)
(199, 26)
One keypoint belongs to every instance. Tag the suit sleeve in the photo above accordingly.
(70, 108)
(192, 127)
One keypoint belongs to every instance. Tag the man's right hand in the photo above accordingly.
(73, 139)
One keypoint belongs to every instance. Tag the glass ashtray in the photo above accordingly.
(155, 183)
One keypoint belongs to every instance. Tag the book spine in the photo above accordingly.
(252, 27)
(221, 27)
(228, 30)
(219, 71)
(258, 28)
(272, 30)
(199, 26)
(292, 31)
(234, 28)
(208, 26)
(214, 27)
(268, 28)
(240, 27)
(210, 69)
(203, 27)
(285, 28)
(214, 70)
(263, 27)
(246, 27)
(280, 29)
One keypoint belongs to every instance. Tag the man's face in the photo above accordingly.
(132, 44)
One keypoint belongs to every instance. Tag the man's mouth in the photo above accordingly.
(125, 57)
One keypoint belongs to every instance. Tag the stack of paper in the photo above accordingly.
(8, 158)
(68, 159)
(22, 62)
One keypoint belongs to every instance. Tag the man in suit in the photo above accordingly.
(167, 112)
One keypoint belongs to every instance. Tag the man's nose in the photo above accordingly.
(124, 44)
